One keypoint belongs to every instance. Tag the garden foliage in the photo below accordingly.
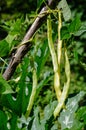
(48, 88)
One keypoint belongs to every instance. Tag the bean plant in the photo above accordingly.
(41, 94)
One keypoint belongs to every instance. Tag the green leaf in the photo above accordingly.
(47, 77)
(4, 48)
(19, 103)
(8, 101)
(72, 29)
(65, 9)
(24, 121)
(77, 125)
(39, 3)
(4, 86)
(76, 55)
(67, 118)
(10, 39)
(65, 34)
(54, 127)
(42, 124)
(3, 121)
(16, 27)
(74, 25)
(13, 122)
(25, 88)
(81, 30)
(48, 112)
(41, 56)
(49, 109)
(36, 122)
(81, 114)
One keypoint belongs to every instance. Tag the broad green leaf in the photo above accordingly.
(3, 121)
(81, 30)
(71, 29)
(65, 34)
(67, 117)
(4, 86)
(80, 51)
(48, 113)
(36, 122)
(77, 125)
(72, 103)
(83, 36)
(65, 9)
(74, 25)
(81, 114)
(42, 124)
(4, 48)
